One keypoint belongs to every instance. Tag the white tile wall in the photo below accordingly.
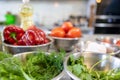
(47, 12)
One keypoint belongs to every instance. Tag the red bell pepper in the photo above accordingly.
(28, 38)
(32, 37)
(36, 29)
(12, 34)
(17, 36)
(40, 33)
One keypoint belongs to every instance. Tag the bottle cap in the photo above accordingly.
(25, 1)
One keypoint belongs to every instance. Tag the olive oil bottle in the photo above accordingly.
(26, 15)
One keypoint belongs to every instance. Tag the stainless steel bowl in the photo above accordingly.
(91, 58)
(108, 40)
(66, 44)
(22, 56)
(110, 43)
(19, 49)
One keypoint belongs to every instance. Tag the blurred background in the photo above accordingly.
(90, 15)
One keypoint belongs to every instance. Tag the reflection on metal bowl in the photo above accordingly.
(108, 40)
(110, 43)
(65, 43)
(91, 58)
(19, 49)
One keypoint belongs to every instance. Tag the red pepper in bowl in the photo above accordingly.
(17, 36)
(37, 30)
(33, 36)
(30, 38)
(12, 34)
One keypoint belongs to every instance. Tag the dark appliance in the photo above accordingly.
(107, 19)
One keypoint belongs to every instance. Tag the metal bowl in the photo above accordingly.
(19, 49)
(110, 43)
(91, 58)
(66, 44)
(22, 56)
(108, 40)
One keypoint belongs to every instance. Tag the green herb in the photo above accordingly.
(77, 67)
(10, 69)
(44, 67)
(37, 66)
(4, 55)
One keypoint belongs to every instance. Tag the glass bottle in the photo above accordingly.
(26, 14)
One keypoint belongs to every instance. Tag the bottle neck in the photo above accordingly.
(25, 1)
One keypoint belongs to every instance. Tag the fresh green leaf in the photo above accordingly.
(78, 68)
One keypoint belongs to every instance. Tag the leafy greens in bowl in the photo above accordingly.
(32, 66)
(92, 66)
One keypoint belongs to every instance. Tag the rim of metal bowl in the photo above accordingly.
(50, 42)
(78, 54)
(67, 71)
(59, 76)
(77, 38)
(112, 40)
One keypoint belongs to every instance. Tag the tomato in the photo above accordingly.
(57, 32)
(67, 26)
(118, 43)
(74, 32)
(106, 40)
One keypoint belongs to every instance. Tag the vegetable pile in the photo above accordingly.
(78, 68)
(17, 36)
(66, 30)
(118, 43)
(37, 66)
(110, 41)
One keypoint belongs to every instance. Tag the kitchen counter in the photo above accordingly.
(92, 37)
(87, 37)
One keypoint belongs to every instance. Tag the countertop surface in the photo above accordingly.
(92, 37)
